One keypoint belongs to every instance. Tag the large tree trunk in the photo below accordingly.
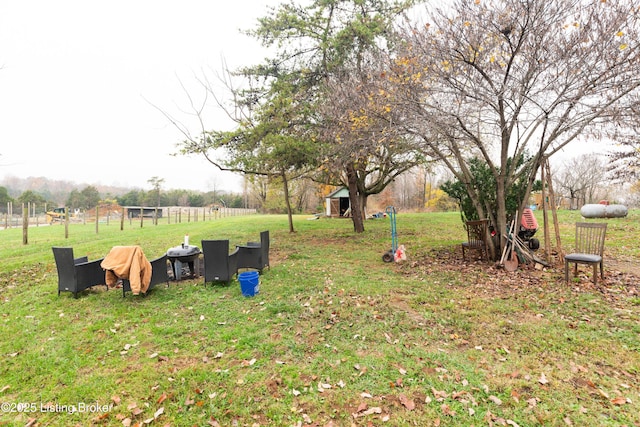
(287, 201)
(363, 205)
(356, 211)
(501, 219)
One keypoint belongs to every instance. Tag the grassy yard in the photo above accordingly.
(336, 337)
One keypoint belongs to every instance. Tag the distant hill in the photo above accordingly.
(54, 190)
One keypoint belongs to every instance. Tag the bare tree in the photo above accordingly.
(580, 179)
(632, 198)
(367, 146)
(498, 79)
(625, 159)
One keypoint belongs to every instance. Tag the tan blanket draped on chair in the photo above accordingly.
(127, 262)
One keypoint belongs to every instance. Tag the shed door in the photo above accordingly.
(335, 207)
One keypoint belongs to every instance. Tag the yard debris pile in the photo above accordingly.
(621, 278)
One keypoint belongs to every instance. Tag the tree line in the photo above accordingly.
(89, 197)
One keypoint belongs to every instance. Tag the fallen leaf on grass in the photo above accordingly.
(446, 409)
(543, 379)
(158, 412)
(406, 402)
(323, 386)
(439, 395)
(495, 400)
(619, 400)
(458, 394)
(248, 362)
(102, 416)
(370, 411)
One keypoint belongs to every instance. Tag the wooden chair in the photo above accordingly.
(477, 232)
(589, 249)
(76, 274)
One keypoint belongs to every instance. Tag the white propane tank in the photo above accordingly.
(604, 211)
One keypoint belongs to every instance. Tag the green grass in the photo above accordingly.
(335, 334)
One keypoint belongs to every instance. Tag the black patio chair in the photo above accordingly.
(76, 274)
(159, 274)
(255, 255)
(219, 264)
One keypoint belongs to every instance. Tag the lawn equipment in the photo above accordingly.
(528, 228)
(519, 248)
(396, 252)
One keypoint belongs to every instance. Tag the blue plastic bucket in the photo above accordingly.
(249, 283)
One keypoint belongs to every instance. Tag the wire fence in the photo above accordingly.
(30, 215)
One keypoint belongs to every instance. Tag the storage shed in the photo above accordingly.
(147, 212)
(337, 203)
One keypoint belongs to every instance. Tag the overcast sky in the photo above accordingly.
(79, 81)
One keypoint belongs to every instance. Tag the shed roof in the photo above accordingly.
(340, 192)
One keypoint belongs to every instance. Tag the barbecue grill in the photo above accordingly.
(183, 254)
